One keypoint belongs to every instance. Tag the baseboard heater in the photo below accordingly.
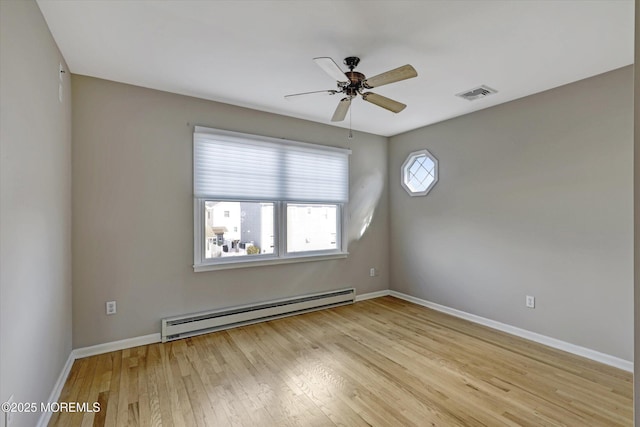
(178, 327)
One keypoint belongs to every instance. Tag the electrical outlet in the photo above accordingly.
(111, 307)
(530, 301)
(373, 272)
(8, 416)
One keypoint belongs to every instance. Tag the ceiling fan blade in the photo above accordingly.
(330, 67)
(341, 111)
(392, 76)
(384, 102)
(317, 92)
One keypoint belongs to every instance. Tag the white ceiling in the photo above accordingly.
(252, 53)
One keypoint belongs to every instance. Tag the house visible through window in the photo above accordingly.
(260, 199)
(311, 227)
(256, 235)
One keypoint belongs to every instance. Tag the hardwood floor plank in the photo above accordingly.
(111, 407)
(165, 376)
(96, 385)
(380, 362)
(178, 371)
(84, 390)
(158, 397)
(122, 402)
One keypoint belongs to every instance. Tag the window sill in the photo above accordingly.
(265, 262)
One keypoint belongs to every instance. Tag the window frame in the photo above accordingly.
(340, 241)
(281, 254)
(411, 158)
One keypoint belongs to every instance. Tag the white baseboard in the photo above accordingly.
(94, 350)
(371, 295)
(57, 389)
(523, 333)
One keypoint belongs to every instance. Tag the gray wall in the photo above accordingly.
(35, 209)
(636, 170)
(534, 198)
(133, 211)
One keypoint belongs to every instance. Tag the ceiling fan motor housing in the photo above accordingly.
(355, 82)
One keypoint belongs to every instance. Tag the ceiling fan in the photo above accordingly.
(352, 83)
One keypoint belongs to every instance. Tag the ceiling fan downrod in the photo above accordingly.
(351, 62)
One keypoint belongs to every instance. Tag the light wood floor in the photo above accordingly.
(382, 362)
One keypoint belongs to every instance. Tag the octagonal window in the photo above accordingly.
(419, 173)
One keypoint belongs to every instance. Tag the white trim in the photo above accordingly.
(94, 350)
(268, 261)
(523, 333)
(198, 231)
(43, 421)
(280, 255)
(405, 171)
(371, 295)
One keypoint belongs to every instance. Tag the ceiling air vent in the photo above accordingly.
(477, 93)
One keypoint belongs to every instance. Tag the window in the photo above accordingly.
(311, 228)
(225, 219)
(419, 173)
(260, 200)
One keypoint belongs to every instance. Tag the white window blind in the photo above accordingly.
(230, 165)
